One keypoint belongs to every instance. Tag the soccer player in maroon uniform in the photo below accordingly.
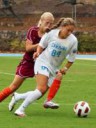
(26, 67)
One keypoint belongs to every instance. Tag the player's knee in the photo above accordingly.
(42, 88)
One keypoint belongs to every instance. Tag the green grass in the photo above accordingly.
(78, 84)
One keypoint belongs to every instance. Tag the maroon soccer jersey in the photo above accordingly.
(32, 35)
(26, 66)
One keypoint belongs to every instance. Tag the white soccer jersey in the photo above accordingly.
(57, 49)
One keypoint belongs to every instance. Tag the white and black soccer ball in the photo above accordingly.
(82, 109)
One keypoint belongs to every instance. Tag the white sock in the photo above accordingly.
(34, 95)
(22, 96)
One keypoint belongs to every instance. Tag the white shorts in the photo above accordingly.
(41, 68)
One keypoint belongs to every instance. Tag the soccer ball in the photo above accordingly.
(82, 109)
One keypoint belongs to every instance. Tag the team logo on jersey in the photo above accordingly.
(44, 68)
(58, 46)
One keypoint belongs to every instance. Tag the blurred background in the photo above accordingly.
(17, 16)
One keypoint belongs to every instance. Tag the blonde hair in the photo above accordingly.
(64, 22)
(44, 16)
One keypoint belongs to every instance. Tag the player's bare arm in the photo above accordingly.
(38, 52)
(66, 67)
(30, 46)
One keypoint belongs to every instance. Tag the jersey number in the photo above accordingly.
(56, 53)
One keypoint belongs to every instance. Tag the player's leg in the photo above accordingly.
(52, 92)
(10, 89)
(16, 97)
(36, 94)
(25, 70)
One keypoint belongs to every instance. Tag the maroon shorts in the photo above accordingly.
(25, 69)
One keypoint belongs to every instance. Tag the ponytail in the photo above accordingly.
(64, 22)
(58, 23)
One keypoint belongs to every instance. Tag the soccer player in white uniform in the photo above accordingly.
(53, 48)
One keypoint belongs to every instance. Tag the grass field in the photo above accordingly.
(78, 84)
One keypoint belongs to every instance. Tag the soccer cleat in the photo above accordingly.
(12, 102)
(50, 104)
(19, 113)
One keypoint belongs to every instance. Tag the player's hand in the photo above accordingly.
(61, 71)
(35, 55)
(64, 70)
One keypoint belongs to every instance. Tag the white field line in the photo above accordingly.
(93, 59)
(5, 73)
